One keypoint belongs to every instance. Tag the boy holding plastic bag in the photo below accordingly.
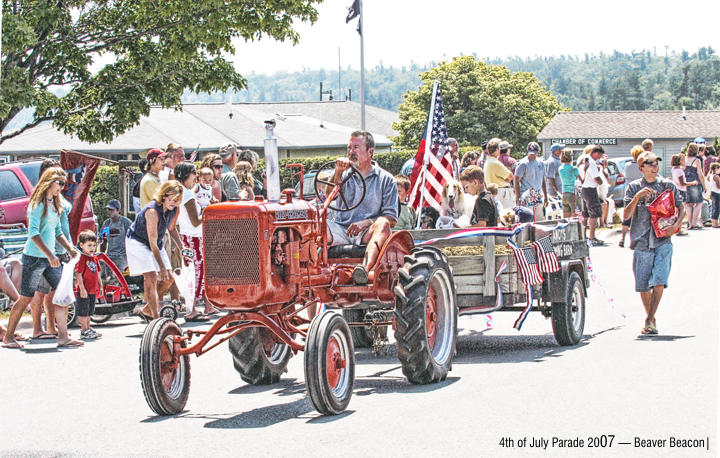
(646, 202)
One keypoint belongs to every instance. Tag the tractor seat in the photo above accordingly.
(347, 251)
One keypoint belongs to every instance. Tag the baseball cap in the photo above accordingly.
(700, 140)
(113, 204)
(227, 150)
(647, 156)
(504, 145)
(533, 148)
(451, 141)
(156, 153)
(483, 145)
(556, 146)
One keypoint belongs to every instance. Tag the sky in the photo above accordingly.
(398, 32)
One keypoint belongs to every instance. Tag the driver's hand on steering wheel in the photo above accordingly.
(356, 228)
(341, 165)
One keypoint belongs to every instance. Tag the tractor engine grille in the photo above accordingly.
(231, 252)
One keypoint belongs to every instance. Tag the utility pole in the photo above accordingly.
(362, 66)
(339, 75)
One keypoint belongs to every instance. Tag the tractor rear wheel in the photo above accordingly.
(258, 357)
(164, 376)
(425, 316)
(362, 336)
(329, 363)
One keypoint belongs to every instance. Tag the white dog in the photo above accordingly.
(456, 207)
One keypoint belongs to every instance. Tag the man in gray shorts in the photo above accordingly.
(652, 256)
(370, 223)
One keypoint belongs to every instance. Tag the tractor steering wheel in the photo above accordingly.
(330, 166)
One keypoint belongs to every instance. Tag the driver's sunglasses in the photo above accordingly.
(61, 183)
(217, 166)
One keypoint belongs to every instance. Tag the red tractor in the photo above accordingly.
(266, 263)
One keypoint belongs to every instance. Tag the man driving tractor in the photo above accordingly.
(370, 223)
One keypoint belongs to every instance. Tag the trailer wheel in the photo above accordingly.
(425, 316)
(362, 336)
(329, 363)
(164, 376)
(568, 318)
(257, 357)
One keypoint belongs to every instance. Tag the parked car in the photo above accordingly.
(308, 185)
(17, 181)
(616, 180)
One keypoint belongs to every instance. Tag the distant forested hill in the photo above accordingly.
(643, 80)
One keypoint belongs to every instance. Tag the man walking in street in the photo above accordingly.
(552, 174)
(652, 255)
(592, 206)
(530, 181)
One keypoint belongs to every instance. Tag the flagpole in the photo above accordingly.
(362, 66)
(426, 158)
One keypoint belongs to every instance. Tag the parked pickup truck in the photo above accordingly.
(17, 181)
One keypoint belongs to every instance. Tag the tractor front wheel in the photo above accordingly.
(165, 376)
(329, 363)
(425, 316)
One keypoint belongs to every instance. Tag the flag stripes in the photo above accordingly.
(546, 257)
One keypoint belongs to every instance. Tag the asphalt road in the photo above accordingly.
(504, 384)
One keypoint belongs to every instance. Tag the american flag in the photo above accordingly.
(435, 153)
(547, 259)
(527, 264)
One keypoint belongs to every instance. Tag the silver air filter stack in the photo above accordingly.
(272, 166)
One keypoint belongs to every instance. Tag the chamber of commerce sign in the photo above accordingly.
(585, 141)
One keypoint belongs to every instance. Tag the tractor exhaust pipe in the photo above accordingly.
(272, 165)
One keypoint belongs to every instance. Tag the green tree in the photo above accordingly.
(480, 101)
(159, 50)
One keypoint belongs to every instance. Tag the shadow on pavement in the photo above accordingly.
(263, 416)
(285, 387)
(476, 347)
(662, 338)
(274, 414)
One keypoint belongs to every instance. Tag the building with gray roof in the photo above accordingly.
(303, 129)
(619, 131)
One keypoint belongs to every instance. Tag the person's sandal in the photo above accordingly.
(621, 244)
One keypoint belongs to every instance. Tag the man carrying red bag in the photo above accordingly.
(652, 254)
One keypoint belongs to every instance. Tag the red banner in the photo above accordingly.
(81, 172)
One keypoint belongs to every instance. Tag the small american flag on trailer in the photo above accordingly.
(527, 265)
(547, 259)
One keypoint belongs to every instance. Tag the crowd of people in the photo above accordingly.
(171, 196)
(169, 200)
